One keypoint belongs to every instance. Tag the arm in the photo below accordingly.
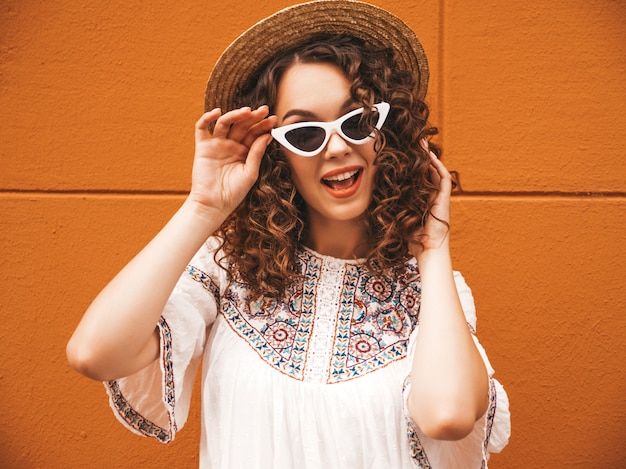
(449, 381)
(117, 335)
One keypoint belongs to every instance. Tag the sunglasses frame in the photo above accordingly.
(279, 132)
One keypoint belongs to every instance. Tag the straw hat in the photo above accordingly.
(294, 25)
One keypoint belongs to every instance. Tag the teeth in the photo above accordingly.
(342, 176)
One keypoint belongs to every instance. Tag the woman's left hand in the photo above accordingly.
(434, 233)
(449, 385)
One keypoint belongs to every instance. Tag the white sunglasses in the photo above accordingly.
(308, 138)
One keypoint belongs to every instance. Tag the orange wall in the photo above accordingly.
(97, 106)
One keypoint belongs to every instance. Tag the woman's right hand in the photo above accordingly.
(116, 336)
(226, 163)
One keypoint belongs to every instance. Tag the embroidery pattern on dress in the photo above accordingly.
(278, 331)
(206, 281)
(415, 445)
(491, 413)
(168, 368)
(376, 317)
(417, 450)
(370, 324)
(134, 419)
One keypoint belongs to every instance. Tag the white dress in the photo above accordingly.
(318, 379)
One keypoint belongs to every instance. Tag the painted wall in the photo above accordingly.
(97, 106)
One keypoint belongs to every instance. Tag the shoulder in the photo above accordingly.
(209, 264)
(209, 254)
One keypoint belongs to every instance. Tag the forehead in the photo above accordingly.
(312, 86)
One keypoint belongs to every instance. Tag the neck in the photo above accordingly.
(340, 239)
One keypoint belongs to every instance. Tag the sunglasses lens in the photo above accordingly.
(353, 128)
(306, 138)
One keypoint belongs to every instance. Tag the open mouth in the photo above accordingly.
(343, 184)
(342, 181)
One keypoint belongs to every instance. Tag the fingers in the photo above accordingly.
(202, 126)
(439, 172)
(442, 171)
(224, 123)
(440, 168)
(248, 129)
(242, 125)
(255, 155)
(240, 129)
(258, 129)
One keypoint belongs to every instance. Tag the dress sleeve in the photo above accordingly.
(155, 401)
(491, 432)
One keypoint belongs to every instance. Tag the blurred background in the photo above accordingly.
(97, 106)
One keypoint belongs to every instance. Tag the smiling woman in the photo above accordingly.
(337, 184)
(309, 269)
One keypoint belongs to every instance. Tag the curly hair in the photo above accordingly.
(262, 236)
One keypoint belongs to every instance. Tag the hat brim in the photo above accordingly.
(294, 25)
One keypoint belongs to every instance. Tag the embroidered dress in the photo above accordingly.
(316, 379)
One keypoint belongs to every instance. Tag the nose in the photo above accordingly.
(336, 146)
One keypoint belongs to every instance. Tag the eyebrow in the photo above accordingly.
(311, 115)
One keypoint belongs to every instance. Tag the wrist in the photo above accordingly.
(428, 248)
(433, 255)
(205, 219)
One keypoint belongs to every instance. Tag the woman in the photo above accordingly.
(314, 238)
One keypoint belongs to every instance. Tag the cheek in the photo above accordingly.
(302, 171)
(369, 152)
